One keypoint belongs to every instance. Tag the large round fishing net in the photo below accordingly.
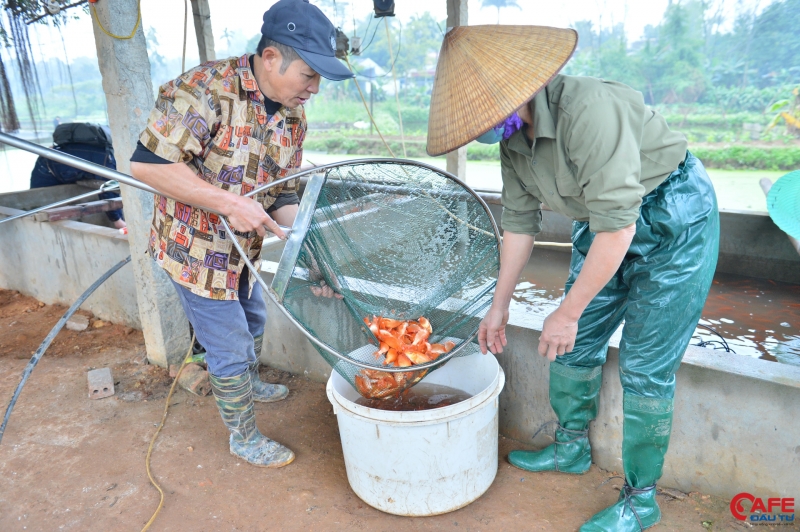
(403, 243)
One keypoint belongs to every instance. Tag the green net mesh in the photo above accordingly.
(398, 241)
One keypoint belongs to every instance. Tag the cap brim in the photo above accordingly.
(328, 67)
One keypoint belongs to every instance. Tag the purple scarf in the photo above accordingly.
(511, 125)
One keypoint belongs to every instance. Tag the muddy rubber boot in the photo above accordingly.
(262, 391)
(234, 396)
(573, 396)
(645, 437)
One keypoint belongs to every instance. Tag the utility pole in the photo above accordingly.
(202, 28)
(457, 16)
(125, 68)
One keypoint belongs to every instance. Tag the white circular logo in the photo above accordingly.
(290, 26)
(333, 43)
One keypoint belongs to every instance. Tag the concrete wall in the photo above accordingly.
(733, 428)
(750, 243)
(55, 262)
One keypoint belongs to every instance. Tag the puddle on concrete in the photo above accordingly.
(756, 317)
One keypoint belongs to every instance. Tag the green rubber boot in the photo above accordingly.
(645, 437)
(262, 391)
(573, 396)
(234, 396)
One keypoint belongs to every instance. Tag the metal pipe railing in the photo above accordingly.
(108, 173)
(108, 186)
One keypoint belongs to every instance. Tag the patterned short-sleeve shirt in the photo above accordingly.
(213, 119)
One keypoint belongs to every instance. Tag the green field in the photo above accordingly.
(739, 189)
(736, 189)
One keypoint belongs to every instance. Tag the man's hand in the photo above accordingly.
(492, 331)
(558, 334)
(246, 214)
(325, 291)
(604, 257)
(178, 181)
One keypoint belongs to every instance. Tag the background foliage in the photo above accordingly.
(721, 82)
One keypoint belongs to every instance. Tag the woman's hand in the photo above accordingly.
(558, 334)
(492, 331)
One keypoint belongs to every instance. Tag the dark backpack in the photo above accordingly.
(82, 133)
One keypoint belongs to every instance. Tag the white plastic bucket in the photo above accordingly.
(426, 462)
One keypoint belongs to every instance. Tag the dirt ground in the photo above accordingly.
(71, 463)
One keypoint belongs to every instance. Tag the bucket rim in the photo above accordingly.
(416, 418)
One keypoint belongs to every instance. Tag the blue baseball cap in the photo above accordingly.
(305, 28)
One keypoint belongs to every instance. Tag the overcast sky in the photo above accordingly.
(243, 22)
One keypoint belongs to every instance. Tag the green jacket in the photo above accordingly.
(598, 150)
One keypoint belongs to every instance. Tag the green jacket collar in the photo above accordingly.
(543, 124)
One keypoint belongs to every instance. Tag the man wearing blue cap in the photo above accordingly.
(217, 132)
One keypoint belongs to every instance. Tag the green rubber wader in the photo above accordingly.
(659, 291)
(646, 430)
(660, 287)
(573, 396)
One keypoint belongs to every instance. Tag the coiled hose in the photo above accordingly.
(49, 339)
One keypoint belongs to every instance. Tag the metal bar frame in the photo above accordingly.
(302, 222)
(108, 186)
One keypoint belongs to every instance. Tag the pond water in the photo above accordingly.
(753, 317)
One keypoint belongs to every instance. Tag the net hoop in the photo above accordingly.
(319, 343)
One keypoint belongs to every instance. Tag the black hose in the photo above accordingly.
(58, 326)
(722, 342)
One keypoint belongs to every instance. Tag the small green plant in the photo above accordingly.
(787, 110)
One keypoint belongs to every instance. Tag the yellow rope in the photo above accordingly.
(396, 89)
(120, 37)
(158, 430)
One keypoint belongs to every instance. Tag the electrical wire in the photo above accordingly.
(158, 431)
(364, 49)
(37, 356)
(120, 37)
(364, 100)
(396, 56)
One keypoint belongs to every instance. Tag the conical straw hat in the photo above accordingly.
(485, 73)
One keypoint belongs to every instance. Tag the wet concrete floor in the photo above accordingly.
(754, 317)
